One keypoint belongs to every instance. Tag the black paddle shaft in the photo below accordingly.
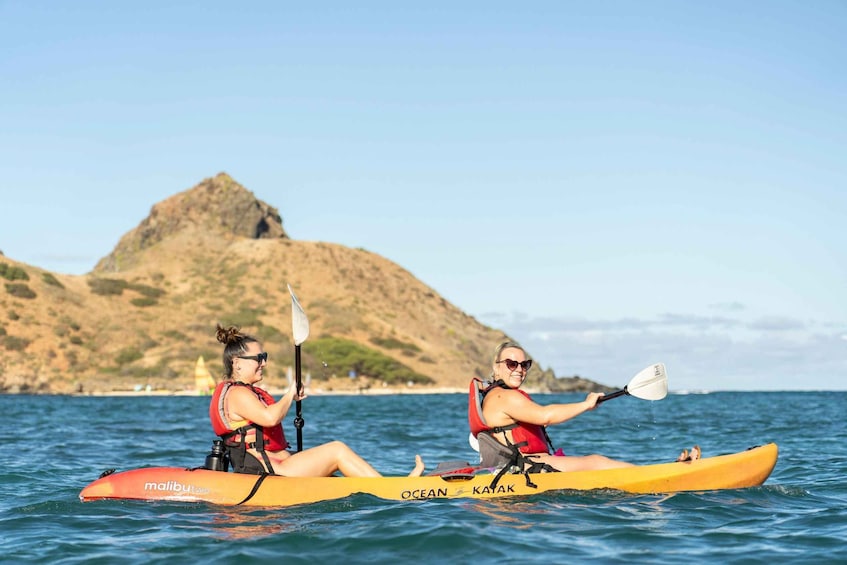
(298, 382)
(606, 397)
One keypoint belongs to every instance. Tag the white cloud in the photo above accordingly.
(700, 352)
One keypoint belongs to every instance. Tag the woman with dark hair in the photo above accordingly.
(249, 421)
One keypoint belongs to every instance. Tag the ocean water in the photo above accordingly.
(55, 445)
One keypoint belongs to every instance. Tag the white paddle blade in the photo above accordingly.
(299, 321)
(473, 441)
(649, 384)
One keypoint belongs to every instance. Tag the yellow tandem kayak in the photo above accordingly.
(737, 470)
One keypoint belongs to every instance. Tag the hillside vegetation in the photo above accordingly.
(215, 254)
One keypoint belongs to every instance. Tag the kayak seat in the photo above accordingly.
(494, 454)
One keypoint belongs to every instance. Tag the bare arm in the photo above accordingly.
(508, 406)
(242, 403)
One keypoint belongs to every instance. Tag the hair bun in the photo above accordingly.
(228, 335)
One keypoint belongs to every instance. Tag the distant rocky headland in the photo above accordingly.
(216, 254)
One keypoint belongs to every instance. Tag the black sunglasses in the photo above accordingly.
(511, 364)
(257, 358)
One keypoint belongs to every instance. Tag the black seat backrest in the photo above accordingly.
(492, 453)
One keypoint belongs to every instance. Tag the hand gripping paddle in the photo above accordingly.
(651, 383)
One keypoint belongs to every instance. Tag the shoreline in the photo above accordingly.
(280, 391)
(277, 392)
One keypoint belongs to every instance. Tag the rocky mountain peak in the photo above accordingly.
(217, 205)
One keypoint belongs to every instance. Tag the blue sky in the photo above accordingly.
(612, 183)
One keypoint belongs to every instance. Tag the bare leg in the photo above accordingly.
(326, 459)
(583, 463)
(323, 461)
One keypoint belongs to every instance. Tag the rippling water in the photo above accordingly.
(60, 444)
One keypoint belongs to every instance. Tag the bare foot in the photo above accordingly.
(695, 453)
(419, 467)
(693, 456)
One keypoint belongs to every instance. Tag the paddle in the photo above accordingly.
(651, 383)
(300, 327)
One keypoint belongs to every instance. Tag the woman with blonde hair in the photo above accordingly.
(516, 421)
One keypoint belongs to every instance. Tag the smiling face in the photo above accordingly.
(249, 366)
(512, 366)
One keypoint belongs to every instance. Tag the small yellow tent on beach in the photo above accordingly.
(203, 381)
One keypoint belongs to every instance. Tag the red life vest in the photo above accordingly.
(529, 438)
(274, 437)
